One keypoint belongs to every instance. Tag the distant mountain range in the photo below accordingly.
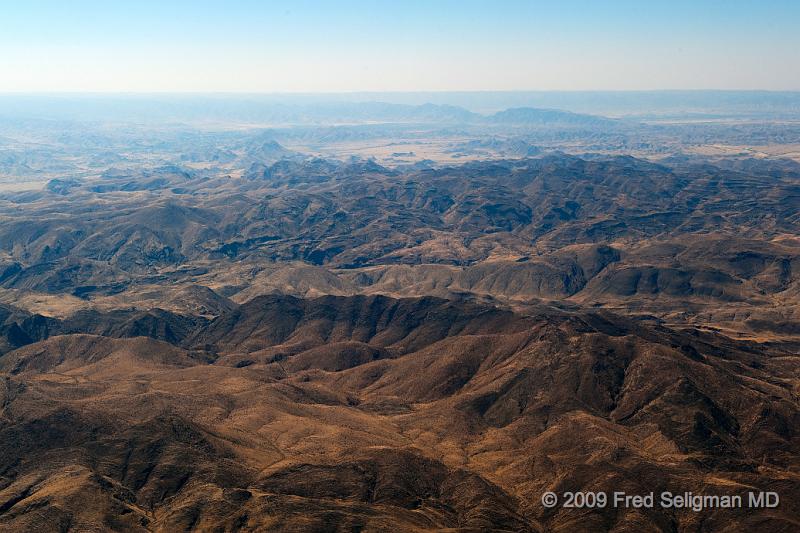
(255, 110)
(197, 107)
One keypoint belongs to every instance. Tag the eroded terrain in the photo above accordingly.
(285, 329)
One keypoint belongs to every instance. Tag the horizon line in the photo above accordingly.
(420, 91)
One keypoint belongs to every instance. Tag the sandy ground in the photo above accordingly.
(15, 186)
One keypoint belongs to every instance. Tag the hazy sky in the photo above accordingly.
(403, 45)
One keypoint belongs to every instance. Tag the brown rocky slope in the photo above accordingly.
(379, 414)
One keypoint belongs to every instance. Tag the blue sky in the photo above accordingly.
(318, 46)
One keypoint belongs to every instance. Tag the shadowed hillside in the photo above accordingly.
(417, 414)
